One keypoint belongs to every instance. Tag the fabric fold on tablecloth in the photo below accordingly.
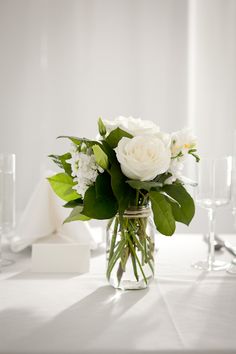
(44, 216)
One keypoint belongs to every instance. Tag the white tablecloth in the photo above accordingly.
(184, 310)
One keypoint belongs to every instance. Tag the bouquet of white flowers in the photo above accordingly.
(130, 166)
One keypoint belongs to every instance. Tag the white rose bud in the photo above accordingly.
(143, 157)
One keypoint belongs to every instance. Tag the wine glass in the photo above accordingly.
(213, 191)
(232, 267)
(7, 200)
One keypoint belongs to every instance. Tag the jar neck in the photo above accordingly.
(137, 211)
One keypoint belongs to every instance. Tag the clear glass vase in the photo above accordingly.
(130, 249)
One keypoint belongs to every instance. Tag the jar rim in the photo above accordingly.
(138, 211)
(139, 207)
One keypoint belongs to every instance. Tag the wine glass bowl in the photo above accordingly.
(212, 192)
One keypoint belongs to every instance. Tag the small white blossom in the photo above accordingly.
(84, 169)
(181, 142)
(176, 168)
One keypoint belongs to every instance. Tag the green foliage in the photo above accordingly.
(109, 152)
(62, 185)
(113, 192)
(101, 127)
(61, 161)
(80, 141)
(122, 191)
(163, 177)
(162, 212)
(73, 203)
(184, 209)
(76, 215)
(146, 185)
(99, 200)
(100, 157)
(193, 153)
(115, 136)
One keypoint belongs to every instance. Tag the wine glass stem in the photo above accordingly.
(211, 240)
(0, 249)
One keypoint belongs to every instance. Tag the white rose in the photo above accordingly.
(143, 157)
(182, 141)
(133, 126)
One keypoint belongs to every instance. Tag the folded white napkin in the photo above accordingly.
(44, 216)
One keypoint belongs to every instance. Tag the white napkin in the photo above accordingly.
(44, 216)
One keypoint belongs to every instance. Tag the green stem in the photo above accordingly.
(138, 243)
(114, 258)
(113, 240)
(133, 239)
(134, 266)
(119, 273)
(135, 255)
(140, 247)
(124, 256)
(143, 224)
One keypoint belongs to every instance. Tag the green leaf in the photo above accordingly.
(162, 213)
(103, 186)
(76, 215)
(122, 191)
(99, 200)
(115, 136)
(161, 178)
(109, 152)
(184, 209)
(61, 161)
(73, 203)
(100, 157)
(79, 141)
(169, 198)
(101, 127)
(62, 185)
(146, 185)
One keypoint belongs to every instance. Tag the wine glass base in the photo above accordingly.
(215, 266)
(232, 267)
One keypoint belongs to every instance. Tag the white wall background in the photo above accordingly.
(64, 63)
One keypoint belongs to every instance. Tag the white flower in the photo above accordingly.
(176, 168)
(181, 142)
(84, 169)
(143, 157)
(133, 126)
(165, 137)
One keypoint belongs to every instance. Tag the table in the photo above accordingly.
(183, 311)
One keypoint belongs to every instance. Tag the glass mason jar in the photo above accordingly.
(130, 249)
